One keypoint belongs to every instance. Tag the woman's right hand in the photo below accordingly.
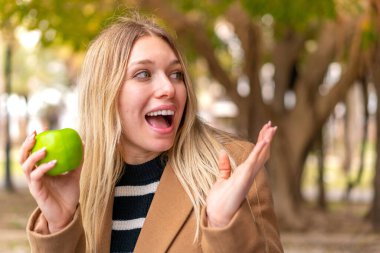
(56, 196)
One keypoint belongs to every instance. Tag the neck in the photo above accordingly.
(140, 158)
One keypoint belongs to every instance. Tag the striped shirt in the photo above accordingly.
(133, 195)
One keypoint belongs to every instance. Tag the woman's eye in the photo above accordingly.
(142, 74)
(177, 75)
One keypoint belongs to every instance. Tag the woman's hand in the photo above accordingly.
(229, 191)
(56, 196)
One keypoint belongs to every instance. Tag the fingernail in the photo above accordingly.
(32, 135)
(52, 162)
(42, 150)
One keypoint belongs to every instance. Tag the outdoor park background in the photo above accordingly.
(311, 67)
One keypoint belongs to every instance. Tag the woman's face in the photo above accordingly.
(151, 101)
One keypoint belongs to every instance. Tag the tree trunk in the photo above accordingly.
(352, 183)
(375, 210)
(8, 71)
(243, 118)
(321, 171)
(284, 185)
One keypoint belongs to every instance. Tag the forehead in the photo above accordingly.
(152, 48)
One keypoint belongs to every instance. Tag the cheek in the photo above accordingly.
(129, 99)
(123, 106)
(126, 103)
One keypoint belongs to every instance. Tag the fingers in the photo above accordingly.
(26, 147)
(260, 152)
(256, 152)
(40, 171)
(263, 130)
(268, 139)
(30, 163)
(224, 166)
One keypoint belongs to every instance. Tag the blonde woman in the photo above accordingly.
(154, 177)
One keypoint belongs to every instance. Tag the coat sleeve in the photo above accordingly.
(253, 228)
(69, 240)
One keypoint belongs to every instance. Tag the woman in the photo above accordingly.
(153, 177)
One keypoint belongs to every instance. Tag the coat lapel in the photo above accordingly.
(169, 210)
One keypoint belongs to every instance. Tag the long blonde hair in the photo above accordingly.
(193, 156)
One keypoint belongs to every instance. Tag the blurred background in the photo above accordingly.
(311, 67)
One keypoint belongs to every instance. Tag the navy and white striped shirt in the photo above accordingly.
(133, 195)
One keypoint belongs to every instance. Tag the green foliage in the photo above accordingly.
(351, 6)
(369, 35)
(208, 12)
(75, 22)
(209, 8)
(12, 13)
(293, 13)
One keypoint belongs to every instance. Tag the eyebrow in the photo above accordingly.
(146, 61)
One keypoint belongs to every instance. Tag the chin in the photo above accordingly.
(163, 146)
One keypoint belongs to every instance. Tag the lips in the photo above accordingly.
(160, 119)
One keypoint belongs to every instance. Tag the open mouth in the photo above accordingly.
(160, 119)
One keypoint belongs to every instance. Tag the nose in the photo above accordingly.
(165, 87)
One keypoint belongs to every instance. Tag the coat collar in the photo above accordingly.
(169, 210)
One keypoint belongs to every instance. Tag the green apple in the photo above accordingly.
(64, 145)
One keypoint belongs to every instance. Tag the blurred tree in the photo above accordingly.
(74, 23)
(8, 23)
(66, 26)
(351, 130)
(301, 39)
(374, 67)
(7, 79)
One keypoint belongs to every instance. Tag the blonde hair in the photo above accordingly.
(193, 156)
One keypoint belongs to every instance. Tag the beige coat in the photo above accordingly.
(170, 222)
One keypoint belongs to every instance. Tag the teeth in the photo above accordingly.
(162, 112)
